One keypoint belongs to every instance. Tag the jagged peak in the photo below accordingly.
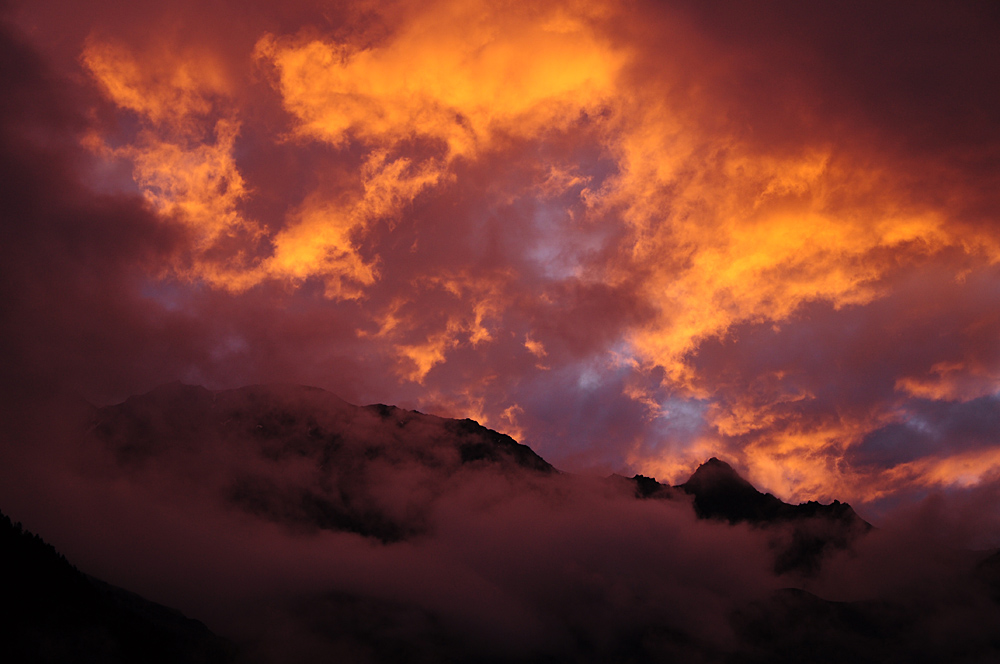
(716, 474)
(646, 487)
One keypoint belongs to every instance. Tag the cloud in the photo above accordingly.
(769, 233)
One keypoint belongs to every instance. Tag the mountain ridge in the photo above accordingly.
(358, 452)
(304, 416)
(593, 560)
(353, 454)
(812, 530)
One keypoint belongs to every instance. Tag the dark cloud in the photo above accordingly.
(929, 428)
(919, 74)
(72, 259)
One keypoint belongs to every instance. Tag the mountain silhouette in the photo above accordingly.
(801, 534)
(52, 612)
(721, 493)
(357, 454)
(297, 420)
(628, 571)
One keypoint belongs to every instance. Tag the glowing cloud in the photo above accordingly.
(465, 75)
(501, 198)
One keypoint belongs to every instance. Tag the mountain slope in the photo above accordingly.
(51, 612)
(305, 458)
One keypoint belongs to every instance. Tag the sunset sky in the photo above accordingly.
(632, 235)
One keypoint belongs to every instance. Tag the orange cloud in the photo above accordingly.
(199, 185)
(464, 74)
(952, 381)
(939, 471)
(751, 239)
(318, 240)
(724, 235)
(164, 85)
(473, 304)
(603, 147)
(803, 461)
(182, 172)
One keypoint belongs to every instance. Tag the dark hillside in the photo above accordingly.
(52, 612)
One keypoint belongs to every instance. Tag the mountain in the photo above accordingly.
(720, 493)
(309, 460)
(801, 535)
(307, 529)
(305, 458)
(51, 612)
(297, 420)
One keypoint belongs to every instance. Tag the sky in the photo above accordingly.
(632, 235)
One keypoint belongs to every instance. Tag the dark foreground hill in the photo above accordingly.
(370, 535)
(52, 612)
